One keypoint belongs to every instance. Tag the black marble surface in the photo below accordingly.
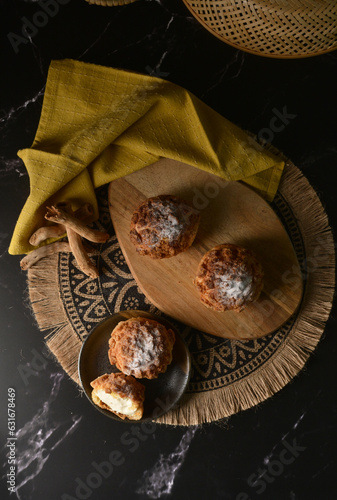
(289, 441)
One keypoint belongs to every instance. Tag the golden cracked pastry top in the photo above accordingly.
(229, 277)
(163, 226)
(119, 393)
(141, 347)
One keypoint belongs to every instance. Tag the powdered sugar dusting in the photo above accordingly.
(168, 222)
(238, 285)
(169, 225)
(144, 349)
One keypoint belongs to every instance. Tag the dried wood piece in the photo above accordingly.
(64, 205)
(82, 258)
(60, 216)
(89, 248)
(77, 246)
(45, 232)
(84, 214)
(73, 224)
(34, 256)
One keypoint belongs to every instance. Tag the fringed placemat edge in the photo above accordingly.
(50, 315)
(307, 331)
(278, 371)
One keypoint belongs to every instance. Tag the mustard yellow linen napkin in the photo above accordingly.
(98, 124)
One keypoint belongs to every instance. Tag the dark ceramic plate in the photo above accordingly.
(161, 393)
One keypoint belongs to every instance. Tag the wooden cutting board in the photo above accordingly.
(230, 213)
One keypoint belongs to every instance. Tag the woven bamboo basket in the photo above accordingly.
(110, 3)
(271, 28)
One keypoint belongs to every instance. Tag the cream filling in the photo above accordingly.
(116, 403)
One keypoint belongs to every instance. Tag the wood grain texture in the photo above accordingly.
(230, 213)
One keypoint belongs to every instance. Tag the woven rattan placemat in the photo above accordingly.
(227, 375)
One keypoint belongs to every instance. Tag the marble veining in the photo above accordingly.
(236, 64)
(39, 437)
(11, 114)
(313, 157)
(36, 55)
(96, 41)
(10, 165)
(4, 237)
(163, 6)
(321, 469)
(159, 480)
(157, 68)
(173, 45)
(142, 39)
(170, 22)
(267, 459)
(131, 44)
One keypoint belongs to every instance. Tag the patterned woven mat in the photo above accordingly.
(227, 375)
